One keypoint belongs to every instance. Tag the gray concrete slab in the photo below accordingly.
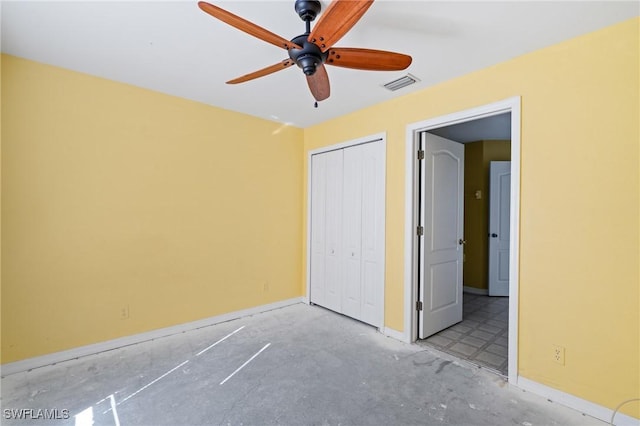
(300, 365)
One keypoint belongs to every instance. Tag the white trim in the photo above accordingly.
(410, 242)
(395, 334)
(474, 290)
(508, 105)
(383, 238)
(579, 404)
(514, 235)
(41, 361)
(341, 145)
(382, 137)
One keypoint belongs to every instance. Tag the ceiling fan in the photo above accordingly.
(313, 49)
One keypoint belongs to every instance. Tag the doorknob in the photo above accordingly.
(494, 235)
(461, 241)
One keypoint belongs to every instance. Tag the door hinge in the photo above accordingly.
(419, 305)
(420, 155)
(420, 231)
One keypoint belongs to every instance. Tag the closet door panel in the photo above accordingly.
(373, 205)
(318, 203)
(333, 231)
(347, 231)
(352, 231)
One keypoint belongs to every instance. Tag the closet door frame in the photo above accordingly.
(377, 138)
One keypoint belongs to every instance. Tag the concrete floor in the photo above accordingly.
(303, 365)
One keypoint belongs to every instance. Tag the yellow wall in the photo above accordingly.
(579, 255)
(114, 195)
(473, 270)
(477, 157)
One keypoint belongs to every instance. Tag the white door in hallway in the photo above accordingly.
(442, 218)
(499, 209)
(347, 231)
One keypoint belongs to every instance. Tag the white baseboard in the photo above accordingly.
(579, 404)
(473, 290)
(395, 334)
(41, 361)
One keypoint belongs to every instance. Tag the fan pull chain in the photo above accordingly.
(315, 105)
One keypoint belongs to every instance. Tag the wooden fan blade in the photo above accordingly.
(336, 21)
(246, 26)
(368, 59)
(319, 83)
(261, 73)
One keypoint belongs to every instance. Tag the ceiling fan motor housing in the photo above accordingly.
(308, 9)
(309, 57)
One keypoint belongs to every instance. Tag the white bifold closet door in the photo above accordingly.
(347, 231)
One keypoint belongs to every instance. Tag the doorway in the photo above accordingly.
(465, 175)
(414, 249)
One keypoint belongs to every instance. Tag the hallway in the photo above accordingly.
(481, 337)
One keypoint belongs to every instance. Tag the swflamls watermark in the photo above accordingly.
(35, 414)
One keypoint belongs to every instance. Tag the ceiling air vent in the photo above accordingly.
(401, 82)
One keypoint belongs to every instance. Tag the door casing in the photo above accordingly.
(511, 105)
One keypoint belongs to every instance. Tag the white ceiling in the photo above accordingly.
(175, 48)
(495, 127)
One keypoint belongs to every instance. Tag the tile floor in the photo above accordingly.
(482, 336)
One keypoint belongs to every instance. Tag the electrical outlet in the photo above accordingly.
(124, 312)
(558, 354)
(265, 286)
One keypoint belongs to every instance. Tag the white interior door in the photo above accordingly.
(352, 234)
(373, 233)
(499, 208)
(333, 230)
(347, 231)
(442, 211)
(317, 285)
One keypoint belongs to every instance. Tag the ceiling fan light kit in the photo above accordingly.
(313, 49)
